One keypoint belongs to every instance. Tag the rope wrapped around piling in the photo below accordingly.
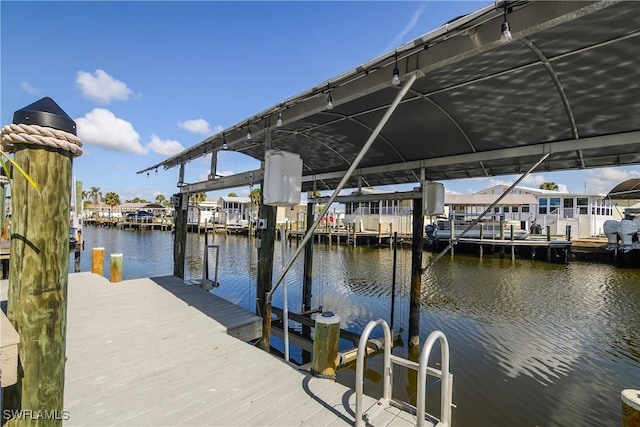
(38, 135)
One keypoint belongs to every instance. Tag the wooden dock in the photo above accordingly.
(158, 352)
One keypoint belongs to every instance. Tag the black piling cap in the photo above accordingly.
(45, 112)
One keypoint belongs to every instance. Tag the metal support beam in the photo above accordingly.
(617, 140)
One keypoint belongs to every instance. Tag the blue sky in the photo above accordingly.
(144, 80)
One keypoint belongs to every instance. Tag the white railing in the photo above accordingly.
(422, 368)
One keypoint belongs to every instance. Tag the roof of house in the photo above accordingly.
(487, 199)
(234, 199)
(543, 192)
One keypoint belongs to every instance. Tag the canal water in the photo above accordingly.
(532, 343)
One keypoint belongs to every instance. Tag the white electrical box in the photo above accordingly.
(282, 178)
(433, 198)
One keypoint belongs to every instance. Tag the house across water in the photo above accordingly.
(585, 213)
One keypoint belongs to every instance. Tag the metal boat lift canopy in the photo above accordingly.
(568, 84)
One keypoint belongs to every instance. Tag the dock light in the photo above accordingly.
(224, 142)
(329, 102)
(248, 135)
(147, 174)
(156, 171)
(279, 121)
(329, 98)
(396, 73)
(505, 29)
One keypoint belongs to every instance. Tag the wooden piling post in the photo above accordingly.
(548, 233)
(325, 345)
(39, 263)
(180, 232)
(417, 242)
(97, 261)
(76, 260)
(116, 268)
(265, 242)
(630, 408)
(452, 234)
(308, 263)
(501, 228)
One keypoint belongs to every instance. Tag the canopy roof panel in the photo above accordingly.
(566, 85)
(626, 190)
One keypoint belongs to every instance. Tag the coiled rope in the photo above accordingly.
(38, 135)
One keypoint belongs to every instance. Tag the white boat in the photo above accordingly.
(623, 235)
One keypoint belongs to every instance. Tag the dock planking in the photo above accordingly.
(158, 352)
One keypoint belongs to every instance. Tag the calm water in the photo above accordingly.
(532, 344)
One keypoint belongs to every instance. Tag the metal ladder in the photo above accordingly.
(422, 368)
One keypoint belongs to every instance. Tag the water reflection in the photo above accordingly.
(543, 344)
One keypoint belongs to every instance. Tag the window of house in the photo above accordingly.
(375, 208)
(514, 209)
(525, 209)
(505, 209)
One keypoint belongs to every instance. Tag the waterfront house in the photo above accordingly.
(204, 212)
(236, 211)
(585, 213)
(390, 215)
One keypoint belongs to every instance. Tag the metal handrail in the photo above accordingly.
(447, 379)
(387, 374)
(422, 368)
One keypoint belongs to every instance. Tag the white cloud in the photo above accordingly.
(30, 89)
(101, 87)
(536, 180)
(200, 126)
(603, 180)
(205, 175)
(407, 28)
(165, 147)
(102, 128)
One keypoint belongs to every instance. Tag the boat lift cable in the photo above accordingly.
(411, 78)
(455, 240)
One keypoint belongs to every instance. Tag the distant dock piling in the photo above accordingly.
(116, 268)
(97, 261)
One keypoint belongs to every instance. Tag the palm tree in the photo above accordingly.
(197, 198)
(112, 199)
(232, 194)
(137, 200)
(95, 195)
(549, 186)
(255, 195)
(160, 198)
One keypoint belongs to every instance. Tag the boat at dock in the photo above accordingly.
(623, 235)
